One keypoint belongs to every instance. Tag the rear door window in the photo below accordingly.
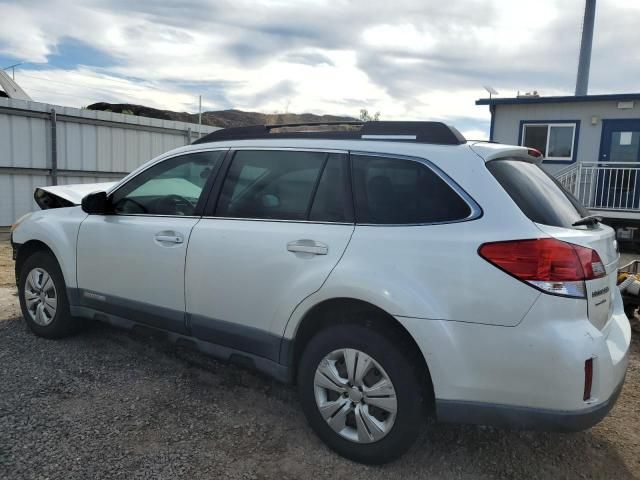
(284, 185)
(537, 194)
(395, 191)
(331, 203)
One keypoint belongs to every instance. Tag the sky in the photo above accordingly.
(407, 59)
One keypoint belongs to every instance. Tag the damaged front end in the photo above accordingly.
(61, 196)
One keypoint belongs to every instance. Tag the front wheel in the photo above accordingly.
(43, 297)
(361, 394)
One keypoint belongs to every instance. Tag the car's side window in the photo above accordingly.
(171, 187)
(278, 185)
(396, 191)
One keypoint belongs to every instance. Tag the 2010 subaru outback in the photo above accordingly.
(392, 272)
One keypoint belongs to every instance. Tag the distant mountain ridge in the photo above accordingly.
(219, 118)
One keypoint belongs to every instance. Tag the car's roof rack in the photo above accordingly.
(418, 132)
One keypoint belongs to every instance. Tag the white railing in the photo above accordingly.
(603, 186)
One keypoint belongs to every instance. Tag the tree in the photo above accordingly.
(366, 117)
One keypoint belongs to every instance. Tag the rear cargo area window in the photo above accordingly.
(395, 191)
(538, 194)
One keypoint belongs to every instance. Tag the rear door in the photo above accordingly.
(555, 211)
(280, 224)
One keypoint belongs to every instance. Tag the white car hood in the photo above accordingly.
(67, 195)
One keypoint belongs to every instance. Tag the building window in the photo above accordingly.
(556, 141)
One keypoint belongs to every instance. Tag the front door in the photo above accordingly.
(618, 184)
(282, 222)
(131, 262)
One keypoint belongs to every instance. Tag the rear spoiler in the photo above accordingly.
(492, 151)
(61, 196)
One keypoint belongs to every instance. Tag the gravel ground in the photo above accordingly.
(109, 404)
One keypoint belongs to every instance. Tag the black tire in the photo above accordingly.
(61, 324)
(387, 350)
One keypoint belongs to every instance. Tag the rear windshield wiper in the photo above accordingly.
(588, 220)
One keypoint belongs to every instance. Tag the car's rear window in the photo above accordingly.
(538, 194)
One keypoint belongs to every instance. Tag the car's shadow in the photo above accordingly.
(171, 381)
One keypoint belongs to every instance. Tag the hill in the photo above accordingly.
(220, 118)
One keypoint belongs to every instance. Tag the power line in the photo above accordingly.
(79, 99)
(21, 72)
(102, 91)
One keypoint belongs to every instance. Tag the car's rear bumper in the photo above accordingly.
(525, 418)
(530, 376)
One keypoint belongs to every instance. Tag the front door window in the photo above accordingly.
(171, 187)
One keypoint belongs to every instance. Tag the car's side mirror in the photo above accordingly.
(96, 203)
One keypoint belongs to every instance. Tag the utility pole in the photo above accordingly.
(582, 80)
(199, 116)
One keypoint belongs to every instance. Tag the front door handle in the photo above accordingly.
(169, 237)
(308, 246)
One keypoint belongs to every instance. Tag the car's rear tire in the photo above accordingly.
(380, 424)
(43, 297)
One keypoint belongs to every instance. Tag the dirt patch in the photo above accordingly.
(7, 275)
(108, 404)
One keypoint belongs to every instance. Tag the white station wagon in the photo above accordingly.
(392, 271)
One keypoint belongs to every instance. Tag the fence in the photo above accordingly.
(42, 144)
(604, 186)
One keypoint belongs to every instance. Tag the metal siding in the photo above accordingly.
(26, 142)
(23, 141)
(16, 195)
(96, 179)
(131, 154)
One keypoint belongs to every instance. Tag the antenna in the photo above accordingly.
(491, 90)
(11, 88)
(13, 69)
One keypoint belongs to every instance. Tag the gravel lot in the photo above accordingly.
(109, 404)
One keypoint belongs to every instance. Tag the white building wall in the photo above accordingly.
(508, 117)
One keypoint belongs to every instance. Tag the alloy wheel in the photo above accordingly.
(355, 396)
(40, 296)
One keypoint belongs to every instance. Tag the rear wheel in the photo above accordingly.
(43, 297)
(360, 393)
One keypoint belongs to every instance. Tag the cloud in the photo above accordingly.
(408, 59)
(308, 58)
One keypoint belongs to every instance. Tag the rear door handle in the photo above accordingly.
(169, 237)
(308, 246)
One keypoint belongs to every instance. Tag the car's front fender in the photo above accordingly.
(58, 230)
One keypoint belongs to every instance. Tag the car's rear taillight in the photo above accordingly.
(547, 264)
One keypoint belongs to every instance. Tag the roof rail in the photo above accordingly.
(418, 132)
